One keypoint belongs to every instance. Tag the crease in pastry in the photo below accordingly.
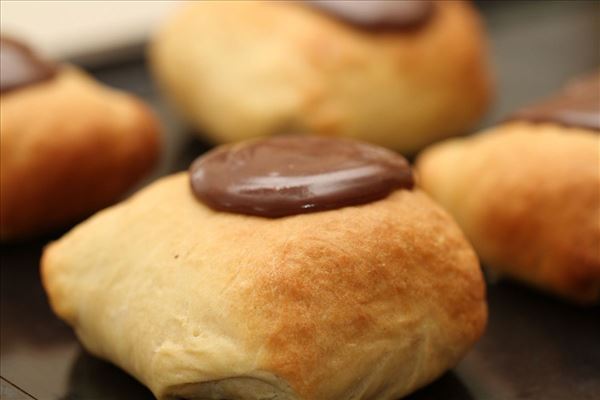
(261, 387)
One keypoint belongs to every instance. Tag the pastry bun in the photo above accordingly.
(243, 69)
(362, 302)
(69, 146)
(527, 195)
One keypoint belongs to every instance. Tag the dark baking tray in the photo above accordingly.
(535, 347)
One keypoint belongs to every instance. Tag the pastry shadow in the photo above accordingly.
(91, 378)
(26, 319)
(447, 387)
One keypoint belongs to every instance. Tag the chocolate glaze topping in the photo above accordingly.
(20, 66)
(378, 14)
(577, 105)
(290, 175)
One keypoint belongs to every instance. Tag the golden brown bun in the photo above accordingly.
(528, 197)
(70, 146)
(241, 69)
(365, 302)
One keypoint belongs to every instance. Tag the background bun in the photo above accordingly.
(528, 197)
(70, 146)
(241, 69)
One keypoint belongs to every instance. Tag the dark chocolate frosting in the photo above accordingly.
(577, 105)
(288, 175)
(20, 66)
(378, 14)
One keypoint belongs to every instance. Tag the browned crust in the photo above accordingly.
(528, 197)
(69, 147)
(377, 299)
(254, 68)
(379, 275)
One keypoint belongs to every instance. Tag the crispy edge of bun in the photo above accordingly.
(247, 69)
(527, 196)
(70, 146)
(372, 301)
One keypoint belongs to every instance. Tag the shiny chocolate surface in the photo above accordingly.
(577, 105)
(377, 14)
(20, 66)
(288, 175)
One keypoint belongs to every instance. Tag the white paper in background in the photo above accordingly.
(90, 32)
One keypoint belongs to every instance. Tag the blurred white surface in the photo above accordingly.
(90, 32)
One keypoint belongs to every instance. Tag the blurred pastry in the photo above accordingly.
(399, 74)
(286, 268)
(527, 192)
(69, 145)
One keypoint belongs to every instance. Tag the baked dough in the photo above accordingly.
(69, 146)
(363, 302)
(527, 196)
(241, 69)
